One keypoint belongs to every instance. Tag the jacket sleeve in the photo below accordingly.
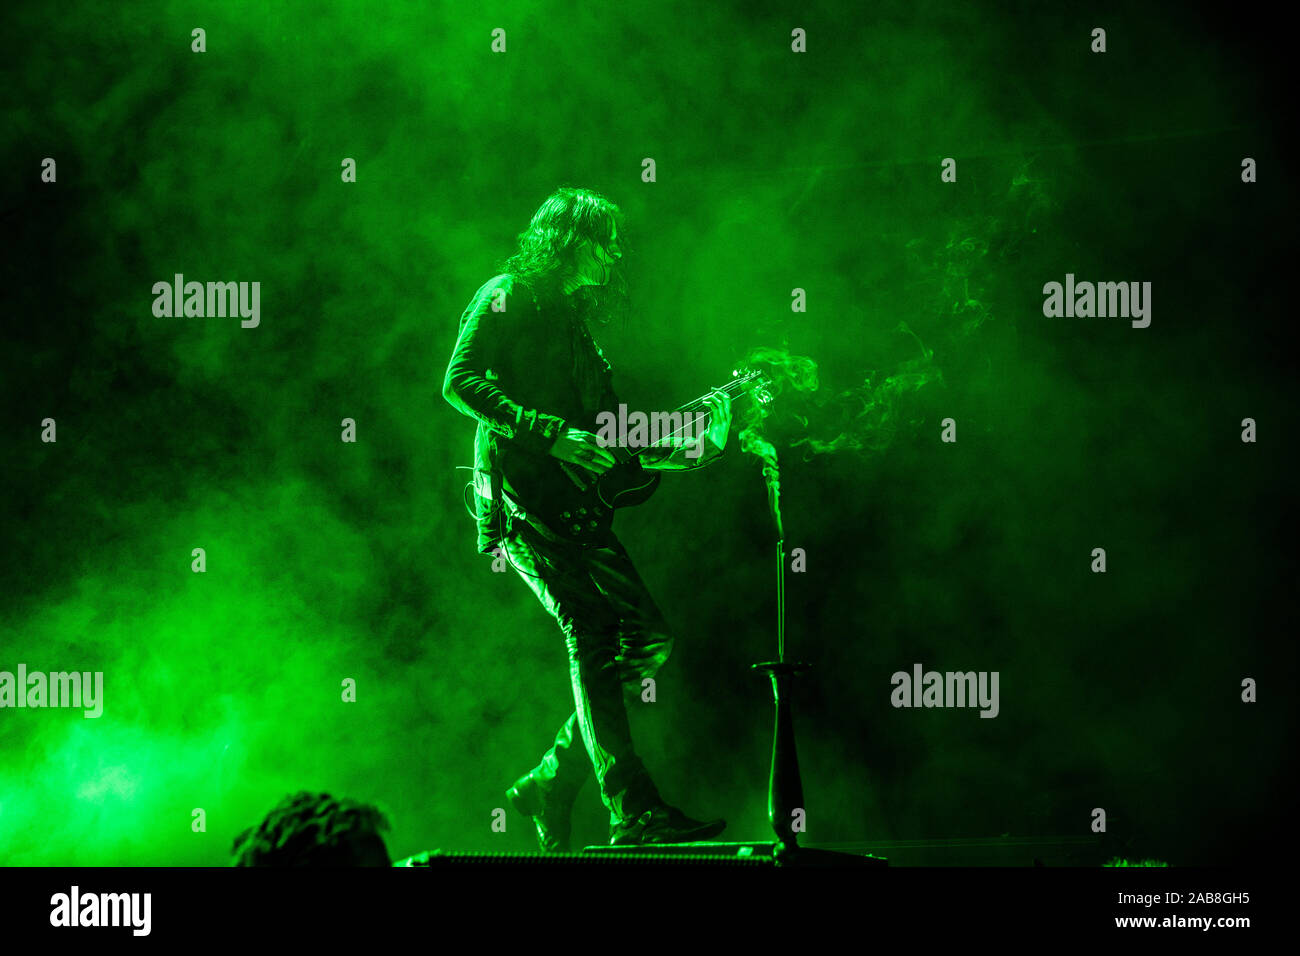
(470, 385)
(675, 458)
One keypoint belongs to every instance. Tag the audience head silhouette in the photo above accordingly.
(315, 829)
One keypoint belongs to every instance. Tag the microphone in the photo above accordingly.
(772, 475)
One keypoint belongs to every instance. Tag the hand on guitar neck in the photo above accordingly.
(583, 448)
(719, 406)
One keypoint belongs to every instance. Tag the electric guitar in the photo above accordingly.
(579, 504)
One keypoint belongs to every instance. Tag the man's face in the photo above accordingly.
(595, 262)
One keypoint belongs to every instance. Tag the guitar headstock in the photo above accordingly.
(753, 381)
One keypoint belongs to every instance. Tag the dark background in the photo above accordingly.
(775, 171)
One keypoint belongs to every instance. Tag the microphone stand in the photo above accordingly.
(784, 785)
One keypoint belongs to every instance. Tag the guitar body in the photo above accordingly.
(579, 504)
(573, 502)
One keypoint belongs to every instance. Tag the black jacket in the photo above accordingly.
(524, 373)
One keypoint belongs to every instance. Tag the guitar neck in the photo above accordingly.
(698, 407)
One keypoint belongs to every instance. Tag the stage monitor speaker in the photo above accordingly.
(675, 854)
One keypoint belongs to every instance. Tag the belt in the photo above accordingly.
(491, 485)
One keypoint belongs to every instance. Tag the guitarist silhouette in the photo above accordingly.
(527, 369)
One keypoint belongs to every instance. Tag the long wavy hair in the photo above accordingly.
(548, 252)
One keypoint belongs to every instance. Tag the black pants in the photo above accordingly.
(616, 637)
